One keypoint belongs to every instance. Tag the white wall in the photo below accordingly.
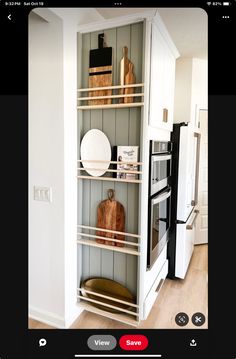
(70, 166)
(190, 88)
(46, 155)
(183, 86)
(52, 163)
(199, 86)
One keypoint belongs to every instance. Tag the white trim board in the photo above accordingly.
(157, 19)
(115, 22)
(54, 320)
(46, 317)
(74, 315)
(46, 14)
(157, 134)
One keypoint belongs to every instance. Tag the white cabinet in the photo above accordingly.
(156, 78)
(168, 87)
(155, 290)
(162, 80)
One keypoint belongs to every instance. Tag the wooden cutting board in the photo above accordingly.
(124, 68)
(129, 79)
(100, 71)
(111, 215)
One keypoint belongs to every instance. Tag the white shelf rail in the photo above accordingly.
(128, 98)
(120, 317)
(127, 247)
(111, 170)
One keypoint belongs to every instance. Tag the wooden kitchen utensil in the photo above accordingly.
(124, 68)
(110, 288)
(100, 71)
(111, 215)
(129, 79)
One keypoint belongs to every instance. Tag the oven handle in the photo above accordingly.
(162, 197)
(157, 158)
(190, 226)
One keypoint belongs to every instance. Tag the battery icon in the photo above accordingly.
(226, 3)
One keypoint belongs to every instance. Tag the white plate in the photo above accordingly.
(95, 146)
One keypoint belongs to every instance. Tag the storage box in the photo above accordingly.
(127, 154)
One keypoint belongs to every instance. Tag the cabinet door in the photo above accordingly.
(168, 87)
(156, 78)
(155, 290)
(162, 79)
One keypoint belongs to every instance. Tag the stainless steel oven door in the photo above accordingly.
(160, 171)
(159, 225)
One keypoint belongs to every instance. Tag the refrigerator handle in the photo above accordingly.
(195, 200)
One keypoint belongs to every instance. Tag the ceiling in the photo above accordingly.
(109, 13)
(187, 26)
(188, 29)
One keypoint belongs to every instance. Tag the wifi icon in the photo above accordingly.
(208, 3)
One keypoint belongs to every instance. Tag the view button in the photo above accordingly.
(101, 342)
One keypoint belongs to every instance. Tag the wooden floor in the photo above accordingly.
(188, 295)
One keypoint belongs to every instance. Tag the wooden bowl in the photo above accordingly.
(110, 288)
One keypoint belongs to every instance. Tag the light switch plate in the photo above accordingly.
(43, 194)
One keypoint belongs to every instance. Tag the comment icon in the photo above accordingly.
(42, 342)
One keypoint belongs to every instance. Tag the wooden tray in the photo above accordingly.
(109, 288)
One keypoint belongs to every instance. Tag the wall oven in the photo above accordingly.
(159, 224)
(160, 166)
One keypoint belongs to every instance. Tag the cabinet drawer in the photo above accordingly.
(151, 274)
(155, 290)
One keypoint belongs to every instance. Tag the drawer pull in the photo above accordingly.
(159, 285)
(165, 115)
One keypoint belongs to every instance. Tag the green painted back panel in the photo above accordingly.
(122, 127)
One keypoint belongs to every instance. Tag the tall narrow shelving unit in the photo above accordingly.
(122, 124)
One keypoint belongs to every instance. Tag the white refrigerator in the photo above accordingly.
(184, 183)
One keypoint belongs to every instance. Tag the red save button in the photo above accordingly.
(133, 342)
